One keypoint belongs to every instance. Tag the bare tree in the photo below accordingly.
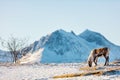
(14, 45)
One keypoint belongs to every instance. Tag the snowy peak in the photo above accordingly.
(56, 39)
(59, 37)
(60, 31)
(61, 42)
(95, 37)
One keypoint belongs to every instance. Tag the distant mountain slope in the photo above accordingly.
(5, 56)
(94, 37)
(100, 40)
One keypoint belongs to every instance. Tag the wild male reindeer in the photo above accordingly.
(95, 53)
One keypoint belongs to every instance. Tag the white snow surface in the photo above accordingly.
(31, 58)
(47, 71)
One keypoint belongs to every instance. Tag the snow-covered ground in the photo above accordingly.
(47, 71)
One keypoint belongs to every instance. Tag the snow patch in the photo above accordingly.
(32, 57)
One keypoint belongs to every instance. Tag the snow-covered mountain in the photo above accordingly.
(62, 46)
(5, 56)
(100, 41)
(96, 38)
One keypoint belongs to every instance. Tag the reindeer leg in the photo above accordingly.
(107, 61)
(95, 61)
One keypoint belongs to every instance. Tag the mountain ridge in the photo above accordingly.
(90, 36)
(63, 47)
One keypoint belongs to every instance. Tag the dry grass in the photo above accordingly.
(67, 75)
(97, 73)
(116, 62)
(90, 71)
(8, 64)
(88, 68)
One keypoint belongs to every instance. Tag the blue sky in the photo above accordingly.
(37, 18)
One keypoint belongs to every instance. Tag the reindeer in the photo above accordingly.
(95, 53)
